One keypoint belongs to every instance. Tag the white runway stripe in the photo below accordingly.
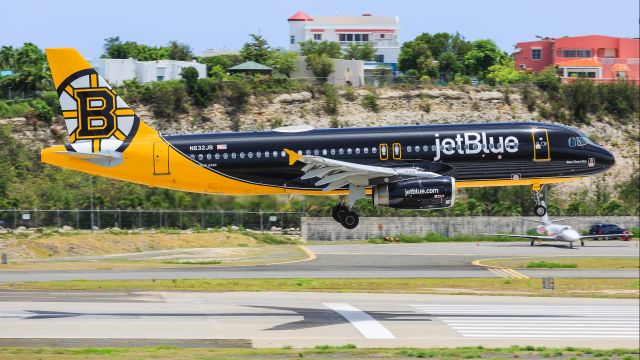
(363, 322)
(531, 321)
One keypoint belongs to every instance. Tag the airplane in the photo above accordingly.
(550, 231)
(403, 167)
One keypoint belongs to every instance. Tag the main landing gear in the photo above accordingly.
(343, 212)
(540, 209)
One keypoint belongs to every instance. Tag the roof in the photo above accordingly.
(590, 62)
(250, 66)
(300, 16)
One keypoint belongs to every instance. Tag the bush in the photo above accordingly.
(349, 94)
(529, 97)
(167, 98)
(41, 110)
(237, 94)
(425, 105)
(331, 100)
(320, 65)
(52, 100)
(370, 102)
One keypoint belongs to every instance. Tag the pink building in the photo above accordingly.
(598, 57)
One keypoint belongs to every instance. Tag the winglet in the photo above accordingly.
(293, 156)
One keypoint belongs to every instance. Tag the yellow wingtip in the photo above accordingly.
(293, 156)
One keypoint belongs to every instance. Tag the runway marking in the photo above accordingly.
(363, 322)
(538, 321)
(499, 270)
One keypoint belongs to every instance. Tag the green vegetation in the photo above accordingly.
(567, 262)
(347, 351)
(550, 265)
(370, 102)
(114, 48)
(437, 237)
(573, 287)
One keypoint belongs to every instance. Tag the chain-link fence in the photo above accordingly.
(148, 219)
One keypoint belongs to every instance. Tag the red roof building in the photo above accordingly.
(598, 57)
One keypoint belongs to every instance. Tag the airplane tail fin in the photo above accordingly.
(97, 119)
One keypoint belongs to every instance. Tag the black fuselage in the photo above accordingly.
(467, 152)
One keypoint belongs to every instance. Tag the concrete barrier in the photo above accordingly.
(326, 229)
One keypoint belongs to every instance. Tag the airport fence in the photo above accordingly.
(147, 219)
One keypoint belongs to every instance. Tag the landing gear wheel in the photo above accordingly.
(540, 210)
(338, 212)
(570, 245)
(581, 242)
(532, 242)
(350, 220)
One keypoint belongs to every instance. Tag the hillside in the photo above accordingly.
(396, 107)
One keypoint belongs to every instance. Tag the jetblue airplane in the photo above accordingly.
(404, 167)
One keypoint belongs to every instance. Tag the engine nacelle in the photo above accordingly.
(418, 193)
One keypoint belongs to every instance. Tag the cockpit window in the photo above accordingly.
(579, 141)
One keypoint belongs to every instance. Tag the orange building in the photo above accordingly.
(597, 57)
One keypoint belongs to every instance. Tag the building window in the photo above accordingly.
(159, 78)
(379, 58)
(522, 66)
(293, 39)
(536, 54)
(381, 36)
(317, 37)
(586, 53)
(353, 37)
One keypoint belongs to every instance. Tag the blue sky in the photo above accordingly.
(226, 24)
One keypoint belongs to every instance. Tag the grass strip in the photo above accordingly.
(571, 287)
(585, 263)
(347, 351)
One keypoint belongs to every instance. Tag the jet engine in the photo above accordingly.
(416, 193)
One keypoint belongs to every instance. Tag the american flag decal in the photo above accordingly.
(221, 147)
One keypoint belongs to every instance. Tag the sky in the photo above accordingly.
(227, 24)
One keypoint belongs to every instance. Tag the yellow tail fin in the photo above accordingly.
(97, 119)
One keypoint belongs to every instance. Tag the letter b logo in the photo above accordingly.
(96, 113)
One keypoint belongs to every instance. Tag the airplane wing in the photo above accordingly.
(630, 235)
(524, 236)
(336, 174)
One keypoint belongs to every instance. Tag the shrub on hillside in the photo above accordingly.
(167, 98)
(370, 102)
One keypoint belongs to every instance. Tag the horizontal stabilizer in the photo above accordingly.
(105, 159)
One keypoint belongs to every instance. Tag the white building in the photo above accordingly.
(116, 71)
(380, 31)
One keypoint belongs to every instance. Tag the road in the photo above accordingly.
(436, 260)
(309, 319)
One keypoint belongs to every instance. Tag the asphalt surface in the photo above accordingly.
(436, 260)
(309, 319)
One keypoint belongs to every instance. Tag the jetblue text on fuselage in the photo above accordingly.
(474, 143)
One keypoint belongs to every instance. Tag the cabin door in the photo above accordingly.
(541, 146)
(160, 158)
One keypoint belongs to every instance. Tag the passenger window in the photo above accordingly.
(341, 151)
(357, 150)
(266, 154)
(433, 147)
(316, 152)
(417, 148)
(365, 150)
(225, 155)
(208, 156)
(200, 156)
(408, 149)
(233, 155)
(217, 156)
(258, 154)
(282, 153)
(349, 151)
(275, 153)
(374, 150)
(250, 154)
(324, 151)
(333, 151)
(299, 152)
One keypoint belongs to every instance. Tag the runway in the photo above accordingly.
(309, 319)
(435, 260)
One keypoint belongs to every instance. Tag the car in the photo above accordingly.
(607, 229)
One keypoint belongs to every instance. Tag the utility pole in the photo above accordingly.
(91, 199)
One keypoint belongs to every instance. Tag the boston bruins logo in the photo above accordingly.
(97, 118)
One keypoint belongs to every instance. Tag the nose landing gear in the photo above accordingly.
(540, 209)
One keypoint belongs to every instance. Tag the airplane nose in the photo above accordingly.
(606, 159)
